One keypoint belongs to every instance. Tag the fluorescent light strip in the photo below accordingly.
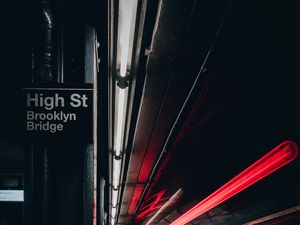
(113, 212)
(116, 173)
(120, 120)
(166, 205)
(126, 27)
(127, 9)
(280, 156)
(114, 198)
(112, 221)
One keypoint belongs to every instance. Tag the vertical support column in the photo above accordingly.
(101, 192)
(90, 181)
(61, 168)
(88, 185)
(37, 167)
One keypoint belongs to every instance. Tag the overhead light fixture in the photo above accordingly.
(126, 27)
(112, 221)
(113, 212)
(114, 198)
(280, 156)
(120, 117)
(116, 174)
(123, 52)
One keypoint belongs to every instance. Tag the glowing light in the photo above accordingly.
(127, 12)
(114, 198)
(112, 221)
(116, 173)
(165, 205)
(126, 29)
(147, 165)
(280, 156)
(113, 212)
(120, 121)
(152, 205)
(135, 198)
(11, 195)
(155, 204)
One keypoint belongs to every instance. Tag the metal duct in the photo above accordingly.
(44, 71)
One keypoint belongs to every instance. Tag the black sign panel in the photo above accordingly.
(57, 113)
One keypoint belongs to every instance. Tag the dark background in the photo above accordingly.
(251, 103)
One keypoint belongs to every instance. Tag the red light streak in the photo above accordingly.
(167, 204)
(135, 198)
(153, 205)
(280, 156)
(147, 165)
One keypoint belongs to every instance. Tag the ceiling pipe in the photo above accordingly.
(44, 71)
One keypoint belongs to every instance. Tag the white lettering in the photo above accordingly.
(49, 102)
(30, 115)
(77, 100)
(30, 125)
(35, 100)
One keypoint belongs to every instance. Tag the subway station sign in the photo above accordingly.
(59, 112)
